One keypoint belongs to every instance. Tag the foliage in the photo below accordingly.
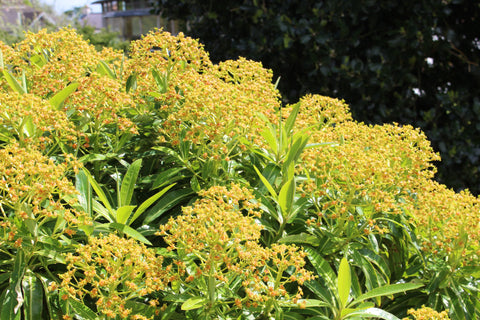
(164, 186)
(102, 38)
(410, 62)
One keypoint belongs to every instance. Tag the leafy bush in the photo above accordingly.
(163, 186)
(410, 62)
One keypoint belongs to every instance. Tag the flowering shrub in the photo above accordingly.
(113, 271)
(214, 240)
(263, 211)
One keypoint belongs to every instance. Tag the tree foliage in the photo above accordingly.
(413, 62)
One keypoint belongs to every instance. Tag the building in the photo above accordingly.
(132, 18)
(16, 15)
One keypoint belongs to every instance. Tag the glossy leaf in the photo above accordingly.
(122, 228)
(194, 303)
(387, 290)
(286, 197)
(33, 295)
(344, 281)
(123, 213)
(82, 310)
(84, 192)
(57, 100)
(105, 70)
(128, 183)
(166, 203)
(266, 183)
(289, 124)
(100, 193)
(147, 203)
(13, 301)
(131, 83)
(13, 83)
(372, 313)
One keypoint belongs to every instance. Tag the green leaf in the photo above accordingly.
(286, 197)
(266, 184)
(28, 127)
(268, 133)
(291, 118)
(372, 313)
(170, 152)
(344, 282)
(195, 184)
(105, 70)
(82, 310)
(168, 176)
(33, 294)
(161, 80)
(122, 228)
(123, 213)
(14, 299)
(129, 182)
(131, 83)
(13, 83)
(166, 203)
(97, 207)
(52, 254)
(4, 277)
(38, 60)
(147, 203)
(387, 290)
(294, 152)
(57, 100)
(322, 267)
(309, 303)
(91, 157)
(302, 238)
(194, 303)
(101, 195)
(84, 192)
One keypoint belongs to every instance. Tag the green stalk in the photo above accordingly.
(269, 305)
(211, 285)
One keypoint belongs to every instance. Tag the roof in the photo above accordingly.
(128, 13)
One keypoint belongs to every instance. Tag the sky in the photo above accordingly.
(64, 5)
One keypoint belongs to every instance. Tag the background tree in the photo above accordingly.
(414, 62)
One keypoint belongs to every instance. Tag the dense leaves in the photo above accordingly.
(164, 186)
(412, 62)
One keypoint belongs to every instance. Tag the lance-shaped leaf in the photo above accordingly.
(105, 70)
(13, 83)
(344, 282)
(13, 300)
(128, 183)
(57, 100)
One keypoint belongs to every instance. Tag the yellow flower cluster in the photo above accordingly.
(318, 112)
(33, 187)
(113, 270)
(220, 231)
(27, 176)
(179, 57)
(101, 101)
(425, 313)
(203, 103)
(449, 223)
(55, 59)
(52, 61)
(33, 120)
(374, 167)
(380, 170)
